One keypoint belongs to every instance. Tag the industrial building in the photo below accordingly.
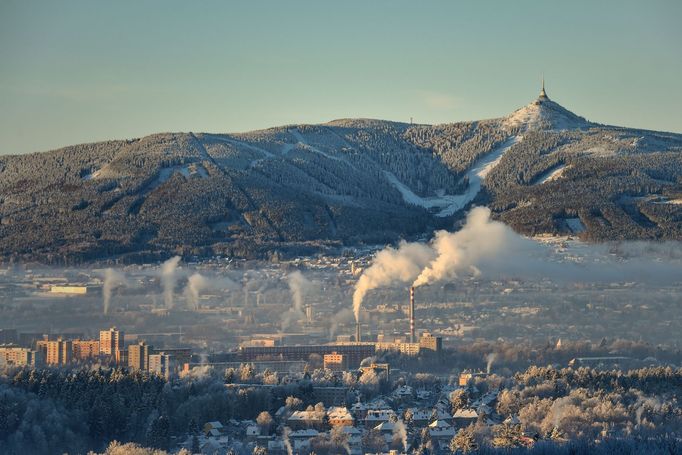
(354, 353)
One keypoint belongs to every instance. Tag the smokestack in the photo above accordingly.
(412, 336)
(357, 331)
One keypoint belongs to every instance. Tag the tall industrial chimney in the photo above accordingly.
(412, 335)
(357, 331)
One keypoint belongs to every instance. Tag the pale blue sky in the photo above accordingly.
(82, 71)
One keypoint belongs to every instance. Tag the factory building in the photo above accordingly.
(354, 353)
(335, 362)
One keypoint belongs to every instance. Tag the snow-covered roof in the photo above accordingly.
(386, 426)
(306, 415)
(380, 414)
(421, 414)
(465, 413)
(339, 413)
(306, 433)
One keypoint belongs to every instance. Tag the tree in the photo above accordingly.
(158, 435)
(373, 441)
(260, 450)
(293, 403)
(507, 435)
(195, 444)
(264, 421)
(459, 399)
(193, 427)
(463, 441)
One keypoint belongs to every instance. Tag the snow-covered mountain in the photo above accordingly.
(300, 188)
(544, 114)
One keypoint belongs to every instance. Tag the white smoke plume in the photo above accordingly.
(195, 284)
(299, 285)
(168, 272)
(490, 359)
(481, 239)
(484, 247)
(344, 316)
(287, 442)
(400, 432)
(391, 266)
(112, 280)
(653, 404)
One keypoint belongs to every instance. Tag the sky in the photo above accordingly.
(85, 71)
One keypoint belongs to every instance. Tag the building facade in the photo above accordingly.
(110, 341)
(16, 356)
(59, 352)
(138, 356)
(85, 349)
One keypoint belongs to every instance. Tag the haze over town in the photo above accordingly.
(310, 228)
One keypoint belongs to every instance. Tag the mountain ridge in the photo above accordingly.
(299, 188)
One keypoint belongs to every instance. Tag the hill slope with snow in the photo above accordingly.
(301, 188)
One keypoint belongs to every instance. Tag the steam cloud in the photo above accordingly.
(390, 266)
(484, 246)
(490, 359)
(400, 432)
(195, 284)
(112, 279)
(298, 286)
(480, 239)
(168, 270)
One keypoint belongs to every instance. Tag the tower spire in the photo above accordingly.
(542, 92)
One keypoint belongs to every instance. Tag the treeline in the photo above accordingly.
(56, 411)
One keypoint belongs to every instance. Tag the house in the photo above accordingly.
(441, 414)
(215, 428)
(403, 393)
(300, 439)
(252, 432)
(423, 394)
(421, 417)
(338, 415)
(299, 420)
(277, 447)
(465, 416)
(359, 410)
(376, 416)
(354, 439)
(387, 430)
(441, 431)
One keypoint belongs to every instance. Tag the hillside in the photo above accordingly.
(301, 188)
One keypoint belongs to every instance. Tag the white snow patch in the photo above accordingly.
(301, 140)
(552, 174)
(450, 204)
(575, 225)
(544, 114)
(246, 145)
(286, 148)
(92, 175)
(187, 171)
